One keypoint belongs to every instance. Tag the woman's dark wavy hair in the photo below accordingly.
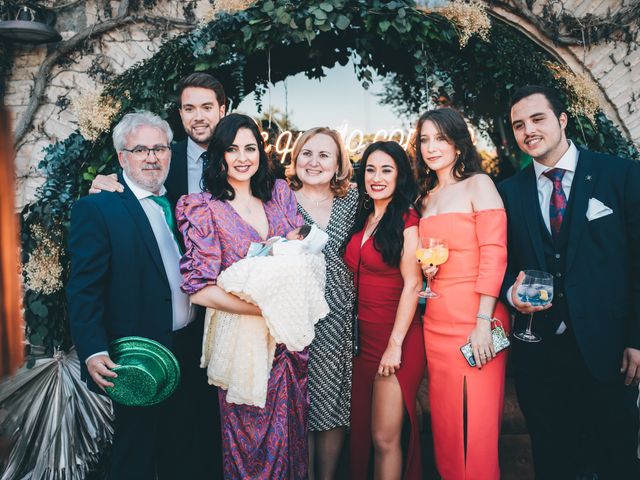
(214, 176)
(451, 124)
(388, 237)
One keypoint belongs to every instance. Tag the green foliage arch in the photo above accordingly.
(392, 38)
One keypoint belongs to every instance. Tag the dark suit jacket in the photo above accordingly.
(602, 273)
(118, 286)
(177, 183)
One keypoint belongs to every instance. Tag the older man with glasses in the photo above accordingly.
(125, 281)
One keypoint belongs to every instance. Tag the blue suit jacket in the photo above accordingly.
(602, 274)
(117, 286)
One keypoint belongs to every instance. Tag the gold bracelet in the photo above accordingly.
(484, 316)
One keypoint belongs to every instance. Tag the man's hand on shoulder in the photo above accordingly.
(108, 183)
(631, 366)
(99, 367)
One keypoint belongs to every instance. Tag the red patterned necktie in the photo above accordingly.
(558, 202)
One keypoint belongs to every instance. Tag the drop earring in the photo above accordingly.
(461, 163)
(367, 201)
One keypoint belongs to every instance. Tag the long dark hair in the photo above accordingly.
(214, 176)
(388, 237)
(449, 123)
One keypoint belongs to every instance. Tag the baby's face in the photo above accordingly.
(295, 235)
(299, 233)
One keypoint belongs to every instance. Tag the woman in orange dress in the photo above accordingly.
(461, 205)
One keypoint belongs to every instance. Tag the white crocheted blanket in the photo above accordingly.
(238, 350)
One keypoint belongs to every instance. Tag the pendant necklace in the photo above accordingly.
(245, 207)
(372, 226)
(317, 202)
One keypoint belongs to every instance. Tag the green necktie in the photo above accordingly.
(164, 203)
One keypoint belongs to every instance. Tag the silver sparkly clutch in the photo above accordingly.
(500, 342)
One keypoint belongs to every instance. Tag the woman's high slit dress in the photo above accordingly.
(476, 265)
(379, 292)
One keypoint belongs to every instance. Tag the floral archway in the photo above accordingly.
(455, 51)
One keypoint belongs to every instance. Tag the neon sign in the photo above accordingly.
(355, 140)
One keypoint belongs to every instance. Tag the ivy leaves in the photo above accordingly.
(294, 22)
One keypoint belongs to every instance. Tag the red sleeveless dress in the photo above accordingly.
(378, 296)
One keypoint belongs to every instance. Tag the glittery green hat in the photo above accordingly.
(148, 372)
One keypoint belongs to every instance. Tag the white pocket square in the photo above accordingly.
(597, 209)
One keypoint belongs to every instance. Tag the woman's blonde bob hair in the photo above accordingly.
(340, 181)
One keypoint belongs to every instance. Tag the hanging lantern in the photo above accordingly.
(27, 27)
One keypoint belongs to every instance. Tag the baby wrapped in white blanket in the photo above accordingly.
(288, 286)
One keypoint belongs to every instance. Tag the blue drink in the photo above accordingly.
(537, 290)
(535, 294)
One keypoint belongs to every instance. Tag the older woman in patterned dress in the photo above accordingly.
(319, 174)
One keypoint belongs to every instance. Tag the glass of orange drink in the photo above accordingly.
(432, 252)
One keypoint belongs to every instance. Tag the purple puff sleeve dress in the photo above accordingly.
(258, 443)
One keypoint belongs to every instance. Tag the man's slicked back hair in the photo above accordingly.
(202, 80)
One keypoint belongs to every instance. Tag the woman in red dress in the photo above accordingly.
(391, 364)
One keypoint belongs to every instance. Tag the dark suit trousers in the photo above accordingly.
(179, 438)
(578, 425)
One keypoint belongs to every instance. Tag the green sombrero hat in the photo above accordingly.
(148, 372)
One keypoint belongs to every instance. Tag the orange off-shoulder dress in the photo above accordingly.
(476, 265)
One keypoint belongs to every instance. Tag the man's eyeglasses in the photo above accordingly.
(142, 153)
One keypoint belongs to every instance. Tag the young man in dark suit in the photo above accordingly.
(124, 281)
(202, 103)
(575, 213)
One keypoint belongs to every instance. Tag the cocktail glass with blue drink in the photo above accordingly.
(536, 289)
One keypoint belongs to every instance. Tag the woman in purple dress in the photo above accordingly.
(243, 203)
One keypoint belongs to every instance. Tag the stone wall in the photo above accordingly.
(82, 72)
(610, 64)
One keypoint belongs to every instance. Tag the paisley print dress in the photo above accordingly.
(258, 443)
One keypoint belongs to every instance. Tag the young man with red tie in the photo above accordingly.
(575, 213)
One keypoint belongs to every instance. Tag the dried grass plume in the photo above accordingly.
(95, 114)
(226, 6)
(583, 93)
(469, 18)
(43, 270)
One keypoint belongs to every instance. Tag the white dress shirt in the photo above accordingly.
(170, 253)
(567, 162)
(194, 166)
